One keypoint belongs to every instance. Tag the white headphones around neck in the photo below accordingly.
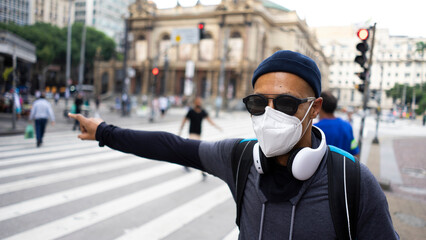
(302, 162)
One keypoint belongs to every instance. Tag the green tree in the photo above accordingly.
(396, 93)
(420, 47)
(51, 42)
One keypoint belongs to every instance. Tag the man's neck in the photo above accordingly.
(324, 115)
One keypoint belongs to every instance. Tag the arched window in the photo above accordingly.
(235, 35)
(141, 49)
(166, 37)
(235, 46)
(164, 46)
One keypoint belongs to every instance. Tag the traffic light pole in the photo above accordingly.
(125, 111)
(366, 89)
(68, 61)
(379, 108)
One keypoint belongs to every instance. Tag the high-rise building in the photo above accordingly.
(105, 15)
(54, 12)
(16, 11)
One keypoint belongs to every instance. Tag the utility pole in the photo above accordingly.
(82, 54)
(125, 90)
(68, 65)
(14, 88)
(404, 96)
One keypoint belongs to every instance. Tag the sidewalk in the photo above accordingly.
(138, 116)
(408, 210)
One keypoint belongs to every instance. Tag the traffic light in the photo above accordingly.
(362, 47)
(360, 87)
(155, 71)
(201, 30)
(361, 59)
(362, 75)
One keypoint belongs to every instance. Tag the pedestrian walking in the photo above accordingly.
(41, 112)
(155, 108)
(195, 116)
(57, 98)
(97, 102)
(164, 105)
(78, 102)
(287, 184)
(338, 132)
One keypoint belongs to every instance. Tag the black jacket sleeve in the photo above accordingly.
(161, 146)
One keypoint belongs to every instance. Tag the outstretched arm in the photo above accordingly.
(183, 124)
(213, 124)
(154, 145)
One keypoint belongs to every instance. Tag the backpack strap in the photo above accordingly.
(343, 191)
(242, 160)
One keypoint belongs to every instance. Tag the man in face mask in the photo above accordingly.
(291, 200)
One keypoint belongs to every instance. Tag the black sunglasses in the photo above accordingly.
(287, 104)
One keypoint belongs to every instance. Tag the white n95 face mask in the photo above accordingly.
(277, 132)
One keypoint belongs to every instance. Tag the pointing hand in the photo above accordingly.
(88, 126)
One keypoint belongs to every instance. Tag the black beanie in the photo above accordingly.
(291, 62)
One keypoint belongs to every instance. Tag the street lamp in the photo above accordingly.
(68, 64)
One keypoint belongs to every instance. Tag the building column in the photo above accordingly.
(171, 82)
(145, 76)
(215, 80)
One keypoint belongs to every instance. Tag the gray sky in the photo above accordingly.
(400, 17)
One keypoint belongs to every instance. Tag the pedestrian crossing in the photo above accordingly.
(73, 189)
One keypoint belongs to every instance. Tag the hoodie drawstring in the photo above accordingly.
(293, 210)
(261, 222)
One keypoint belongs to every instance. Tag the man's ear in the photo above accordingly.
(316, 107)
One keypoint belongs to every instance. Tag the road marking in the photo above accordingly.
(67, 175)
(68, 162)
(50, 156)
(58, 198)
(167, 223)
(28, 151)
(233, 235)
(388, 166)
(86, 218)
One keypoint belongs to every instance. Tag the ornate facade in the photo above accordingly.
(238, 36)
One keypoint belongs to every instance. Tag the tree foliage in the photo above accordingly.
(420, 47)
(396, 93)
(51, 42)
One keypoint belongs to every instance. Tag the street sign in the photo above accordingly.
(185, 35)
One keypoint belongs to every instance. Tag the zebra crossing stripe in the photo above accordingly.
(49, 156)
(55, 199)
(68, 162)
(66, 175)
(177, 218)
(86, 218)
(233, 235)
(45, 149)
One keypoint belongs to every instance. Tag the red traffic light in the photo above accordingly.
(155, 71)
(363, 34)
(201, 26)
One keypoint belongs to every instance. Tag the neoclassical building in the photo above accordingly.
(238, 36)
